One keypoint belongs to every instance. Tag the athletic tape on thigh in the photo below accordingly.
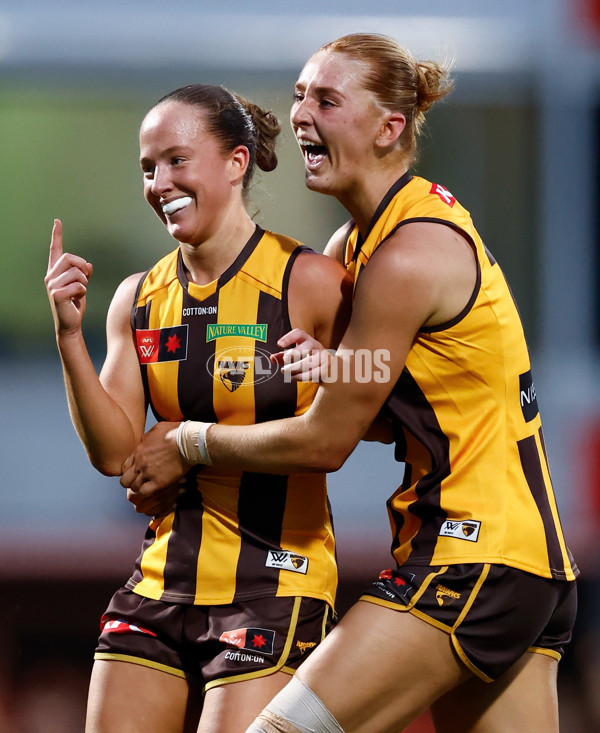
(296, 709)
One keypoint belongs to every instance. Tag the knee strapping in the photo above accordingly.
(296, 709)
(269, 723)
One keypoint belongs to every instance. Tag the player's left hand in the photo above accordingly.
(154, 465)
(304, 359)
(159, 503)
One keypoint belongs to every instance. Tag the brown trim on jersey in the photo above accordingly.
(434, 220)
(137, 576)
(411, 412)
(140, 315)
(384, 203)
(285, 284)
(182, 553)
(232, 269)
(532, 470)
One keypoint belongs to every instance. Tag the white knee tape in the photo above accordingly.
(296, 709)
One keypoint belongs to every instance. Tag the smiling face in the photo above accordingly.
(337, 123)
(187, 180)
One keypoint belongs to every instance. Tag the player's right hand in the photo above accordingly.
(66, 282)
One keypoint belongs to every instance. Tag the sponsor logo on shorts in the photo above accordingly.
(444, 596)
(395, 586)
(305, 645)
(254, 640)
(465, 530)
(117, 626)
(284, 560)
(241, 657)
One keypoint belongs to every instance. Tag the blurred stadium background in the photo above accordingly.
(516, 143)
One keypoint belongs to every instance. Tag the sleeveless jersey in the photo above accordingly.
(476, 486)
(204, 355)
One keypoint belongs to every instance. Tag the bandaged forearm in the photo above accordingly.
(191, 442)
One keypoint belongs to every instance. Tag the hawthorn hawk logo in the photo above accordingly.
(232, 372)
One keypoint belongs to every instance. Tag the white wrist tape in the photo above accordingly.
(191, 442)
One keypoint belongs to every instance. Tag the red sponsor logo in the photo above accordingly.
(147, 343)
(443, 193)
(385, 574)
(162, 344)
(256, 640)
(116, 626)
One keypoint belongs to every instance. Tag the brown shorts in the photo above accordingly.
(215, 644)
(493, 613)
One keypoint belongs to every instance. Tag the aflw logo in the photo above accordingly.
(146, 350)
(162, 344)
(461, 530)
(284, 560)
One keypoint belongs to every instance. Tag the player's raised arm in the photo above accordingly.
(109, 417)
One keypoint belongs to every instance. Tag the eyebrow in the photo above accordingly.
(320, 90)
(169, 151)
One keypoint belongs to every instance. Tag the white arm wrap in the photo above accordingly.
(191, 441)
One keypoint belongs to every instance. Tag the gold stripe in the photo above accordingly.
(153, 561)
(279, 667)
(324, 625)
(467, 662)
(471, 599)
(237, 406)
(141, 662)
(202, 292)
(547, 652)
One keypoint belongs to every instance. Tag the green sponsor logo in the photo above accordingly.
(256, 331)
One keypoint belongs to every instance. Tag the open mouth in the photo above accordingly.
(314, 154)
(176, 205)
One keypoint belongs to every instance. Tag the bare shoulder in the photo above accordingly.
(313, 271)
(122, 302)
(426, 262)
(335, 246)
(320, 297)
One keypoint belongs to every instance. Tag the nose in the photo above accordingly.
(300, 114)
(161, 181)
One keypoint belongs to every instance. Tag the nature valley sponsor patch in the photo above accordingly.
(257, 331)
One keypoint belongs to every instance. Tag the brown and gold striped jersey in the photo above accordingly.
(204, 355)
(476, 485)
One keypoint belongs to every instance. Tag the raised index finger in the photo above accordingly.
(56, 249)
